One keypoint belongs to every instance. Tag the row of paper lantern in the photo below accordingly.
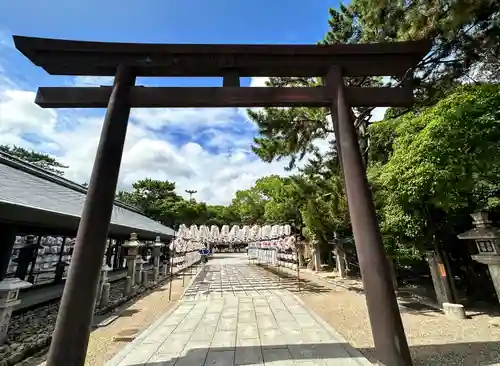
(181, 245)
(234, 234)
(282, 244)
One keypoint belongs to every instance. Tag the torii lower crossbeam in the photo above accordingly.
(205, 97)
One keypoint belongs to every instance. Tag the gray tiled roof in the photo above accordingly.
(25, 185)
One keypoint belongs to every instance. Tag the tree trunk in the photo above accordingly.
(441, 266)
(440, 274)
(330, 259)
(317, 257)
(450, 276)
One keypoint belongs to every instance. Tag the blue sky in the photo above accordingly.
(204, 149)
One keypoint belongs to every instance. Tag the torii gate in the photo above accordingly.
(126, 61)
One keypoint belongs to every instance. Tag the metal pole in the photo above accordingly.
(33, 261)
(171, 272)
(71, 333)
(387, 328)
(58, 272)
(278, 270)
(184, 270)
(298, 269)
(220, 280)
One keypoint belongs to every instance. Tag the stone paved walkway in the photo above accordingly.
(232, 315)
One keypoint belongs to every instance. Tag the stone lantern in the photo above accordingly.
(156, 251)
(131, 248)
(487, 239)
(9, 293)
(140, 272)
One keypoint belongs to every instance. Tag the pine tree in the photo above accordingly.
(44, 161)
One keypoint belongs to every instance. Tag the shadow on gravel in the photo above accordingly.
(464, 354)
(127, 335)
(129, 312)
(292, 284)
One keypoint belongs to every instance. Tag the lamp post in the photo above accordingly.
(298, 225)
(172, 254)
(190, 192)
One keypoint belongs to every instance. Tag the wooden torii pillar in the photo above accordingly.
(127, 61)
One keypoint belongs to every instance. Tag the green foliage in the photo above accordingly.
(425, 171)
(155, 198)
(272, 199)
(465, 35)
(381, 136)
(439, 163)
(429, 166)
(42, 160)
(158, 200)
(288, 132)
(429, 170)
(325, 211)
(221, 215)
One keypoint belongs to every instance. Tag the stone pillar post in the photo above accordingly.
(156, 258)
(316, 256)
(106, 292)
(340, 262)
(140, 262)
(340, 255)
(131, 248)
(166, 265)
(102, 282)
(487, 240)
(9, 287)
(144, 278)
(129, 284)
(139, 270)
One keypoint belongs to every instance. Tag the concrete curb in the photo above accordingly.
(124, 352)
(189, 284)
(354, 352)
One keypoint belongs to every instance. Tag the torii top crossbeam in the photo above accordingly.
(63, 57)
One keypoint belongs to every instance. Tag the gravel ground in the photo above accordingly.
(434, 339)
(28, 327)
(106, 341)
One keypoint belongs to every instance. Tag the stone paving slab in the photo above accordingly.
(258, 325)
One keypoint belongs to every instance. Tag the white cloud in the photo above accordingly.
(93, 80)
(378, 114)
(6, 39)
(150, 149)
(259, 81)
(189, 120)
